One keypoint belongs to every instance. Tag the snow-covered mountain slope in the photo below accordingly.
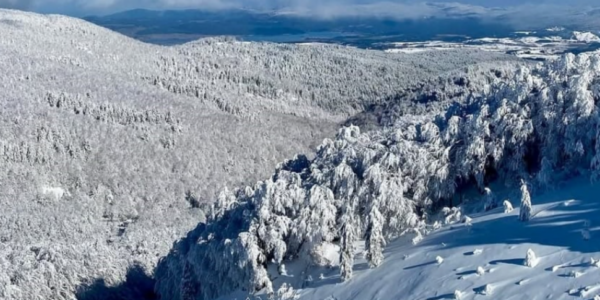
(488, 254)
(538, 127)
(109, 147)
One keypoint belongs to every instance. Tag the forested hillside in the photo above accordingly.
(537, 127)
(109, 147)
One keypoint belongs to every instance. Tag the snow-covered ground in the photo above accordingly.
(488, 256)
(524, 44)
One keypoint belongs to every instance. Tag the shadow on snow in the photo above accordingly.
(137, 286)
(557, 222)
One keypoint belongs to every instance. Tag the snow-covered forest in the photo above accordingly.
(538, 126)
(124, 161)
(111, 148)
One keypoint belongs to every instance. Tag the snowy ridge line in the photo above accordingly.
(380, 185)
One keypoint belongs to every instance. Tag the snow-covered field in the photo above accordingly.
(487, 256)
(528, 45)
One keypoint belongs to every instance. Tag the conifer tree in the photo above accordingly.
(525, 212)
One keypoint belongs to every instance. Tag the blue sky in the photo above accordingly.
(404, 7)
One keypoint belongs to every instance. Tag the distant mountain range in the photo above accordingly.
(365, 26)
(445, 22)
(172, 27)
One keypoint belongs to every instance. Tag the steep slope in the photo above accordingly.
(109, 146)
(538, 127)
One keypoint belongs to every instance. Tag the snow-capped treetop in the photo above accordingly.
(525, 212)
(530, 259)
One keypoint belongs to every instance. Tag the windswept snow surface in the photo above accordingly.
(564, 269)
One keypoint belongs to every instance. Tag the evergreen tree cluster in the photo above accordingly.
(338, 80)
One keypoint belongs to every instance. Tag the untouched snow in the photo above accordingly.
(489, 257)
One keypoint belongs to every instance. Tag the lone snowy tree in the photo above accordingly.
(530, 259)
(375, 240)
(507, 206)
(525, 212)
(490, 200)
(348, 237)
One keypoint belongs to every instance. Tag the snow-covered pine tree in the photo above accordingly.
(255, 260)
(274, 224)
(474, 152)
(489, 200)
(374, 239)
(348, 236)
(525, 212)
(507, 206)
(225, 201)
(319, 227)
(530, 259)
